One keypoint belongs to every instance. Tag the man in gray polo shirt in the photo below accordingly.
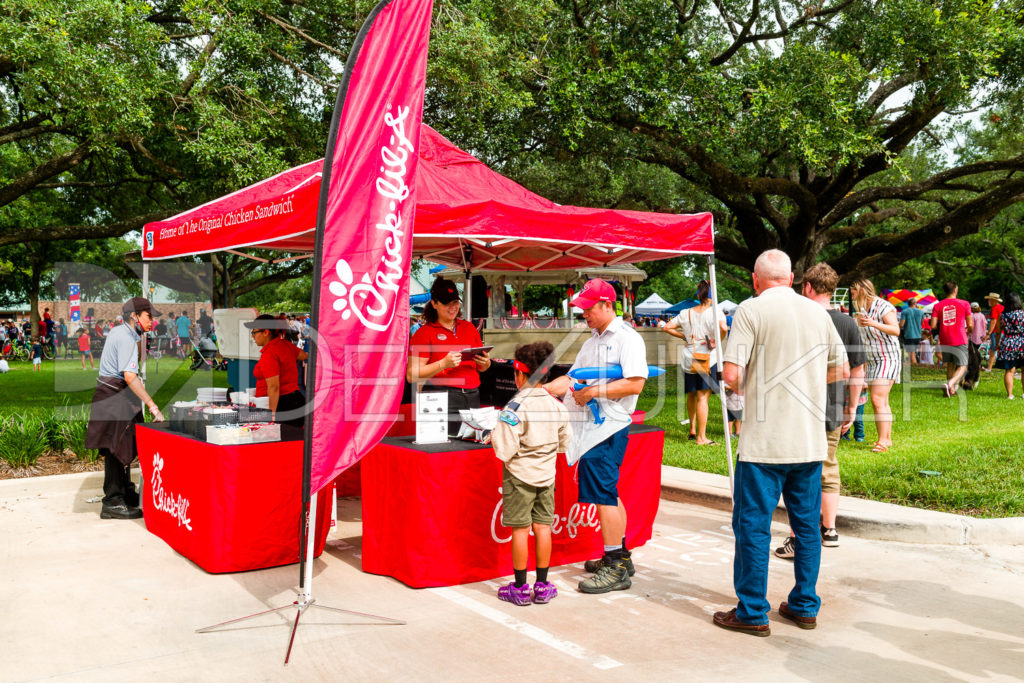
(117, 407)
(782, 351)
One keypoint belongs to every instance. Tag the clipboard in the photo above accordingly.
(470, 354)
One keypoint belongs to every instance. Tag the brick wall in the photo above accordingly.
(110, 311)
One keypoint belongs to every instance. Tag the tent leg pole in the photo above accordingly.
(721, 387)
(145, 293)
(305, 598)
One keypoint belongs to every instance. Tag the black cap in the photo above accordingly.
(138, 304)
(443, 291)
(267, 321)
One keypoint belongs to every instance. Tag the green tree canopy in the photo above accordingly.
(825, 129)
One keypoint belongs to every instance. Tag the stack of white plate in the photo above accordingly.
(212, 394)
(261, 402)
(240, 398)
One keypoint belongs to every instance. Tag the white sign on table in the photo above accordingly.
(431, 417)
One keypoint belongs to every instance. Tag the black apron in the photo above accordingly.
(114, 412)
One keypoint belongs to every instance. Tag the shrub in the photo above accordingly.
(22, 441)
(73, 435)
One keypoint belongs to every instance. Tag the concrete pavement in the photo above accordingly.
(859, 517)
(86, 600)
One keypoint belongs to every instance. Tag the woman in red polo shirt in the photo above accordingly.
(434, 353)
(276, 372)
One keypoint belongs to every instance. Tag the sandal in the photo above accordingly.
(879, 448)
(709, 443)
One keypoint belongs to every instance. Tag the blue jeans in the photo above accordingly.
(758, 487)
(858, 423)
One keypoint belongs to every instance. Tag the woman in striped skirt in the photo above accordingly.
(880, 334)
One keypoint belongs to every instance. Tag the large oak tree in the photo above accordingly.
(832, 130)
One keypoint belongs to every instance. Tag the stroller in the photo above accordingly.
(204, 356)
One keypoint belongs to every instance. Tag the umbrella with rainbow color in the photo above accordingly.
(898, 297)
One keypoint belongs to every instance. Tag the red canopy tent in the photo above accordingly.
(467, 216)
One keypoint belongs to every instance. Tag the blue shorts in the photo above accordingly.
(599, 470)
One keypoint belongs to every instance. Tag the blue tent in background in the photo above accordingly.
(681, 306)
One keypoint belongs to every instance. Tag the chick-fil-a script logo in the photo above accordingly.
(579, 516)
(374, 298)
(174, 505)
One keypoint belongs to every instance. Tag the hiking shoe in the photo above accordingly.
(612, 576)
(544, 592)
(517, 595)
(829, 538)
(593, 566)
(787, 550)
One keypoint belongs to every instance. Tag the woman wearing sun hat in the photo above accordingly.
(996, 304)
(277, 375)
(434, 357)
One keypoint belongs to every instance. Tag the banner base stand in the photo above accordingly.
(305, 599)
(300, 605)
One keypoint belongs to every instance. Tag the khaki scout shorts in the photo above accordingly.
(524, 503)
(830, 468)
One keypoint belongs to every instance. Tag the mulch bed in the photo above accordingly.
(51, 463)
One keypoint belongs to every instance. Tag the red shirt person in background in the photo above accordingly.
(996, 304)
(951, 318)
(277, 375)
(434, 354)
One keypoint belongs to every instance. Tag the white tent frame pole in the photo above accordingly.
(145, 293)
(719, 365)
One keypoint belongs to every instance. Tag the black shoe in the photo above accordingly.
(120, 512)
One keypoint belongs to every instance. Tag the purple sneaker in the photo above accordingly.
(517, 596)
(544, 592)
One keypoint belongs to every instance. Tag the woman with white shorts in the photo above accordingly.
(880, 334)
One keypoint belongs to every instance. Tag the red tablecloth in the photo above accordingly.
(432, 514)
(349, 482)
(226, 508)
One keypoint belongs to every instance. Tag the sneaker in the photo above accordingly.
(612, 576)
(787, 550)
(517, 595)
(544, 592)
(594, 566)
(829, 538)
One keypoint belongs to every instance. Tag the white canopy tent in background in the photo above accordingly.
(652, 305)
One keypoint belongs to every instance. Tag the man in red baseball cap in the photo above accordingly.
(603, 446)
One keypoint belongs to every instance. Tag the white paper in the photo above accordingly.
(431, 417)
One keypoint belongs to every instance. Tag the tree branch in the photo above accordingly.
(51, 233)
(53, 167)
(755, 10)
(197, 68)
(882, 252)
(328, 87)
(299, 32)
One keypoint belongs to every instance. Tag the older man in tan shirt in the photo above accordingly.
(783, 350)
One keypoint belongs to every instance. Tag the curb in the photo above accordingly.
(858, 517)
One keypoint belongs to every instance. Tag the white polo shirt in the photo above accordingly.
(620, 344)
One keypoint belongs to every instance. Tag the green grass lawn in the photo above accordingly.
(975, 443)
(63, 382)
